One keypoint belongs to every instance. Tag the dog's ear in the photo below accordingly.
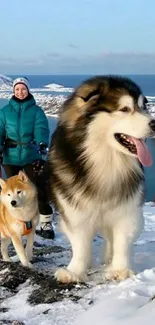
(2, 183)
(84, 97)
(91, 91)
(146, 104)
(145, 100)
(22, 176)
(78, 104)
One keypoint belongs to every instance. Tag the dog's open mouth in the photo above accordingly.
(126, 142)
(136, 147)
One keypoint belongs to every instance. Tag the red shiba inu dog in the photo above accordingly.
(19, 215)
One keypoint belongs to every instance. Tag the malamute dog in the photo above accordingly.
(19, 215)
(96, 175)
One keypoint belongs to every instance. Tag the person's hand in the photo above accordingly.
(38, 166)
(43, 149)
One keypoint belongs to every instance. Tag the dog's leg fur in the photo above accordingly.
(29, 245)
(125, 231)
(107, 252)
(81, 241)
(5, 242)
(119, 268)
(17, 243)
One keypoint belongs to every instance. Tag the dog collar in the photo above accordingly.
(27, 227)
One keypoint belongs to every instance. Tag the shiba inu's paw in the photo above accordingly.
(30, 265)
(29, 256)
(7, 259)
(27, 264)
(117, 275)
(65, 276)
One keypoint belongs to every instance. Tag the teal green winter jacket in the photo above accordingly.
(23, 122)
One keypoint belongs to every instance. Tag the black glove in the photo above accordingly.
(38, 166)
(43, 149)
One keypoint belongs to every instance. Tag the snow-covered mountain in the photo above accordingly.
(5, 82)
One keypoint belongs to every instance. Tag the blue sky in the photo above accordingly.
(77, 37)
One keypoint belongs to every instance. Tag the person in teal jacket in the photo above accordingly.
(24, 137)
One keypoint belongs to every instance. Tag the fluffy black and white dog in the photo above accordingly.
(96, 175)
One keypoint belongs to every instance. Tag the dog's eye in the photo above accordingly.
(125, 109)
(18, 192)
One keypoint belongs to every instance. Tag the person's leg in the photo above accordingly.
(11, 170)
(46, 212)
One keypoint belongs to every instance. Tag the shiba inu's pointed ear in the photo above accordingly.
(22, 176)
(2, 182)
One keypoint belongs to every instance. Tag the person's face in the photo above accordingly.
(20, 91)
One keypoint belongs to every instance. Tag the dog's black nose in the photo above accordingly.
(13, 203)
(152, 125)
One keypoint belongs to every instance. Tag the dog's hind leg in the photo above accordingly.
(5, 242)
(81, 242)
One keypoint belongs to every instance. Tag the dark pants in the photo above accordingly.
(39, 181)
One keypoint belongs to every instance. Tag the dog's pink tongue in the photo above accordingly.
(143, 153)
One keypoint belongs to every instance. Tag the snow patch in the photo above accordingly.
(59, 88)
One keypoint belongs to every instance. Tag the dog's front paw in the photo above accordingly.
(27, 264)
(65, 276)
(117, 275)
(30, 265)
(29, 256)
(7, 259)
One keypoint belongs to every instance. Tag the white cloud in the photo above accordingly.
(103, 63)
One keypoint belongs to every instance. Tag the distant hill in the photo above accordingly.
(5, 82)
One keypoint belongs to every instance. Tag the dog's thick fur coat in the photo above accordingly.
(18, 207)
(95, 171)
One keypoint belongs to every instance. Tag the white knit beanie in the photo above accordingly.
(21, 80)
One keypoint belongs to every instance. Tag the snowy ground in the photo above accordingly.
(100, 303)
